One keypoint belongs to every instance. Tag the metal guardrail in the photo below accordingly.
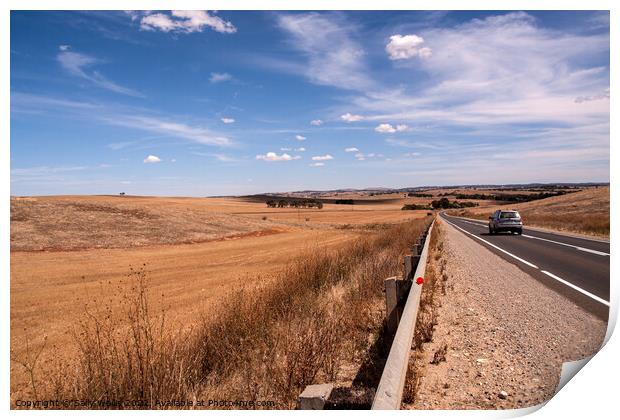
(390, 390)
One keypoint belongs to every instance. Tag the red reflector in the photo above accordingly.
(419, 280)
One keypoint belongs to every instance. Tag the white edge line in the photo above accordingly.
(495, 246)
(579, 289)
(553, 276)
(550, 231)
(592, 251)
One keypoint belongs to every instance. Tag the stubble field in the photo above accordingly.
(71, 255)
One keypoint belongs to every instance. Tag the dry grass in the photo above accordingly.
(264, 343)
(72, 223)
(103, 222)
(434, 284)
(584, 212)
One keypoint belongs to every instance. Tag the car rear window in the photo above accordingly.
(508, 215)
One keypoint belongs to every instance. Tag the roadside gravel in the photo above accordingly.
(506, 334)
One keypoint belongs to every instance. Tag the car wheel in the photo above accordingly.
(491, 231)
(519, 231)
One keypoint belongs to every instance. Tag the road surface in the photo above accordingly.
(578, 268)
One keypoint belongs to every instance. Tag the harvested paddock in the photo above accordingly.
(312, 321)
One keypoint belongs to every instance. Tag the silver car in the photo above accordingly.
(505, 221)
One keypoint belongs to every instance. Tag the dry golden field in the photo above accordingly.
(69, 253)
(584, 212)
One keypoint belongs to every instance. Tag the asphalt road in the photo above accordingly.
(577, 268)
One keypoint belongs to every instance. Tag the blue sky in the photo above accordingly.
(205, 103)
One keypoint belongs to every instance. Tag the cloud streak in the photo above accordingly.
(80, 65)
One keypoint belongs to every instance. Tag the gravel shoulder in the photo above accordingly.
(507, 335)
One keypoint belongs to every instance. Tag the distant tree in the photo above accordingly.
(271, 203)
(282, 203)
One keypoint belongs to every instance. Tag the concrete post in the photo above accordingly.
(411, 261)
(391, 304)
(314, 397)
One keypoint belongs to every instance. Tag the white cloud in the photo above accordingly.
(403, 47)
(324, 157)
(317, 164)
(226, 120)
(348, 117)
(351, 149)
(64, 47)
(274, 157)
(285, 149)
(333, 56)
(300, 137)
(222, 157)
(316, 122)
(152, 159)
(360, 156)
(300, 149)
(185, 21)
(169, 128)
(587, 98)
(388, 128)
(220, 77)
(78, 64)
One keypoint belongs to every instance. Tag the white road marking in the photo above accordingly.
(579, 289)
(542, 230)
(553, 276)
(592, 251)
(472, 223)
(495, 246)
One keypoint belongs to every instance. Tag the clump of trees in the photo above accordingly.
(510, 198)
(442, 203)
(344, 201)
(416, 207)
(421, 195)
(304, 203)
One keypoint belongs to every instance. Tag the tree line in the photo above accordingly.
(305, 203)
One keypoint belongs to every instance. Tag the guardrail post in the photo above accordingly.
(314, 397)
(390, 390)
(411, 262)
(391, 303)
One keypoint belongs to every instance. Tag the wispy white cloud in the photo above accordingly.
(221, 157)
(351, 149)
(186, 21)
(324, 157)
(317, 164)
(316, 122)
(220, 77)
(274, 157)
(110, 114)
(604, 95)
(388, 128)
(403, 47)
(152, 159)
(348, 117)
(161, 126)
(333, 56)
(79, 65)
(299, 137)
(227, 120)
